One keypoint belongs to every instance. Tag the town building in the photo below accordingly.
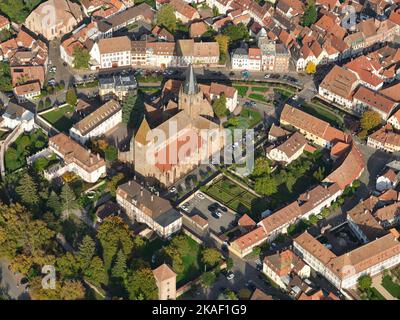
(387, 180)
(117, 86)
(142, 206)
(112, 52)
(98, 122)
(166, 282)
(343, 271)
(67, 15)
(15, 115)
(75, 158)
(385, 139)
(289, 150)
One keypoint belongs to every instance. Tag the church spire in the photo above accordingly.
(190, 86)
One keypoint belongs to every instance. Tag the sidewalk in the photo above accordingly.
(376, 282)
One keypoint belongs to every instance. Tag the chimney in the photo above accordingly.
(98, 156)
(141, 191)
(129, 183)
(91, 160)
(152, 197)
(134, 177)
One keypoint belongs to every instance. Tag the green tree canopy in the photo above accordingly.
(236, 32)
(27, 190)
(219, 106)
(81, 58)
(310, 14)
(166, 18)
(142, 285)
(211, 256)
(370, 120)
(266, 186)
(262, 167)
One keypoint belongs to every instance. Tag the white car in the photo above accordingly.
(267, 76)
(230, 276)
(185, 207)
(172, 190)
(200, 196)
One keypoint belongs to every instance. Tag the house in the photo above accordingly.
(281, 266)
(142, 206)
(106, 210)
(162, 34)
(4, 23)
(183, 11)
(246, 59)
(385, 139)
(215, 90)
(388, 216)
(318, 295)
(112, 52)
(260, 295)
(139, 55)
(27, 73)
(275, 56)
(142, 12)
(394, 120)
(166, 282)
(343, 271)
(387, 180)
(277, 133)
(289, 150)
(98, 122)
(27, 92)
(67, 16)
(197, 29)
(161, 54)
(15, 115)
(75, 158)
(364, 98)
(314, 129)
(338, 86)
(203, 53)
(117, 86)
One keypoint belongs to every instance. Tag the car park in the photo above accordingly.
(267, 76)
(216, 214)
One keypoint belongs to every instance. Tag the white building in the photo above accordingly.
(27, 91)
(112, 52)
(344, 271)
(247, 59)
(289, 150)
(144, 207)
(76, 159)
(15, 115)
(98, 122)
(388, 180)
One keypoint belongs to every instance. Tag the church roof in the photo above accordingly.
(190, 85)
(142, 132)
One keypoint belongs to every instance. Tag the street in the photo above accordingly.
(9, 283)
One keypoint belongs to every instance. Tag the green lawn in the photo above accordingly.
(247, 119)
(260, 89)
(376, 295)
(193, 267)
(389, 285)
(258, 97)
(322, 112)
(242, 90)
(232, 195)
(60, 118)
(24, 146)
(284, 93)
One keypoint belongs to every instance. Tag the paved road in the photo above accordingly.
(9, 283)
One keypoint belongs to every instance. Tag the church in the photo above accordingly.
(177, 137)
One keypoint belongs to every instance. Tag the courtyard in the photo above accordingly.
(60, 118)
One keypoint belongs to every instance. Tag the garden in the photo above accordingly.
(247, 119)
(60, 118)
(25, 145)
(232, 195)
(325, 113)
(391, 285)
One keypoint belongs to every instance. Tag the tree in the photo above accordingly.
(66, 290)
(211, 256)
(319, 174)
(215, 11)
(231, 295)
(142, 285)
(86, 251)
(229, 264)
(310, 14)
(166, 18)
(244, 294)
(111, 153)
(68, 266)
(236, 32)
(71, 97)
(266, 186)
(219, 106)
(27, 190)
(81, 58)
(96, 272)
(364, 282)
(223, 42)
(114, 235)
(5, 77)
(208, 279)
(112, 185)
(311, 68)
(290, 181)
(54, 203)
(262, 167)
(370, 120)
(68, 200)
(119, 268)
(133, 111)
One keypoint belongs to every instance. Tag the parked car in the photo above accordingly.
(230, 276)
(200, 195)
(216, 214)
(212, 207)
(250, 284)
(172, 190)
(267, 76)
